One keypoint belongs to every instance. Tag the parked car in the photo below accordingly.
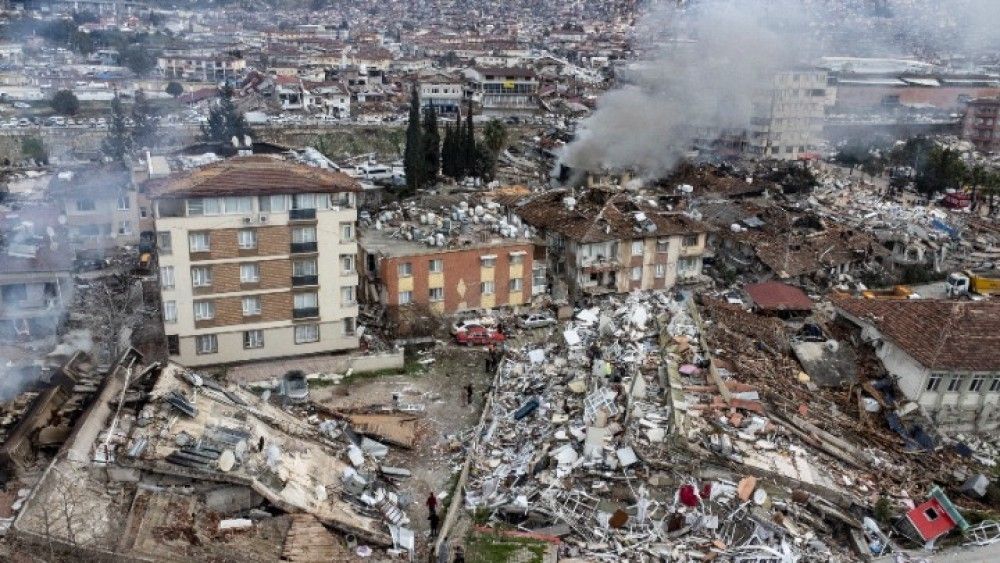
(295, 386)
(535, 320)
(476, 335)
(463, 324)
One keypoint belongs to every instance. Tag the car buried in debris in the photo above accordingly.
(535, 320)
(479, 336)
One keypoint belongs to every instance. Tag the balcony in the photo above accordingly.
(307, 313)
(298, 281)
(303, 247)
(301, 215)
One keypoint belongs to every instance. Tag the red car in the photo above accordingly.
(479, 336)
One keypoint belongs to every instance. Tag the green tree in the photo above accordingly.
(33, 148)
(117, 145)
(976, 178)
(495, 137)
(431, 140)
(413, 155)
(174, 88)
(64, 102)
(225, 120)
(941, 170)
(143, 121)
(448, 152)
(458, 166)
(483, 162)
(991, 185)
(468, 150)
(138, 59)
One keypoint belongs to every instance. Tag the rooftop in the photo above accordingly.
(777, 296)
(940, 334)
(251, 175)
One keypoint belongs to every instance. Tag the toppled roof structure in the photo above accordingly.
(251, 175)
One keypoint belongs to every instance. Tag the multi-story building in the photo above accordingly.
(981, 124)
(503, 90)
(482, 271)
(196, 67)
(442, 91)
(35, 283)
(608, 242)
(257, 260)
(786, 120)
(102, 208)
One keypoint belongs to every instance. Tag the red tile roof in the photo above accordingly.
(777, 296)
(251, 175)
(938, 333)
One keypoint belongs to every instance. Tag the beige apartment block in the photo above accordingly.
(257, 260)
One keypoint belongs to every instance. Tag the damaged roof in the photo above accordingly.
(600, 216)
(938, 333)
(251, 175)
(777, 296)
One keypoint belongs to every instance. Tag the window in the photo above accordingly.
(206, 344)
(195, 207)
(690, 240)
(125, 227)
(349, 326)
(173, 344)
(123, 203)
(304, 268)
(143, 212)
(660, 271)
(995, 384)
(253, 339)
(167, 277)
(305, 334)
(637, 248)
(274, 203)
(346, 232)
(435, 266)
(347, 295)
(405, 297)
(976, 384)
(163, 242)
(169, 312)
(687, 265)
(538, 277)
(405, 269)
(204, 310)
(85, 204)
(662, 245)
(516, 284)
(931, 514)
(954, 383)
(201, 276)
(251, 306)
(487, 288)
(516, 258)
(346, 264)
(306, 301)
(488, 261)
(933, 382)
(246, 239)
(303, 234)
(249, 273)
(437, 294)
(199, 242)
(637, 273)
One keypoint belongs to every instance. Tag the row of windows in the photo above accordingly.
(88, 204)
(241, 205)
(246, 239)
(436, 266)
(204, 310)
(252, 339)
(976, 383)
(201, 276)
(436, 294)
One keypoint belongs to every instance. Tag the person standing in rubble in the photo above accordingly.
(468, 394)
(434, 520)
(432, 503)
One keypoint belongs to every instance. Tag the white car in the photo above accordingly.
(535, 320)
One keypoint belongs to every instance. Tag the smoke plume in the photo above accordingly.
(703, 63)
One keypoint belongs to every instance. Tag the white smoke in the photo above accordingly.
(704, 63)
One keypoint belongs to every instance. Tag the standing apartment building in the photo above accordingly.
(981, 124)
(787, 119)
(606, 242)
(503, 91)
(257, 260)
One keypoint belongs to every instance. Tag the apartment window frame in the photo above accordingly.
(123, 203)
(690, 240)
(660, 271)
(167, 278)
(994, 384)
(198, 280)
(404, 269)
(306, 333)
(348, 264)
(662, 245)
(303, 234)
(435, 294)
(164, 242)
(687, 264)
(205, 344)
(348, 296)
(253, 339)
(515, 284)
(934, 382)
(955, 383)
(488, 261)
(249, 272)
(349, 326)
(405, 297)
(516, 258)
(435, 266)
(300, 268)
(305, 300)
(85, 205)
(636, 274)
(246, 239)
(347, 232)
(203, 310)
(251, 306)
(976, 383)
(169, 311)
(199, 236)
(638, 247)
(487, 287)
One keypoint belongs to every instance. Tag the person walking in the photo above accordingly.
(432, 502)
(468, 394)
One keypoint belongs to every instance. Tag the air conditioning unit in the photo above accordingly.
(263, 218)
(248, 220)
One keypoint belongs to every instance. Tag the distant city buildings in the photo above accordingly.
(981, 124)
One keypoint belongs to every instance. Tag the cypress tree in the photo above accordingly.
(469, 144)
(456, 148)
(432, 146)
(413, 155)
(447, 156)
